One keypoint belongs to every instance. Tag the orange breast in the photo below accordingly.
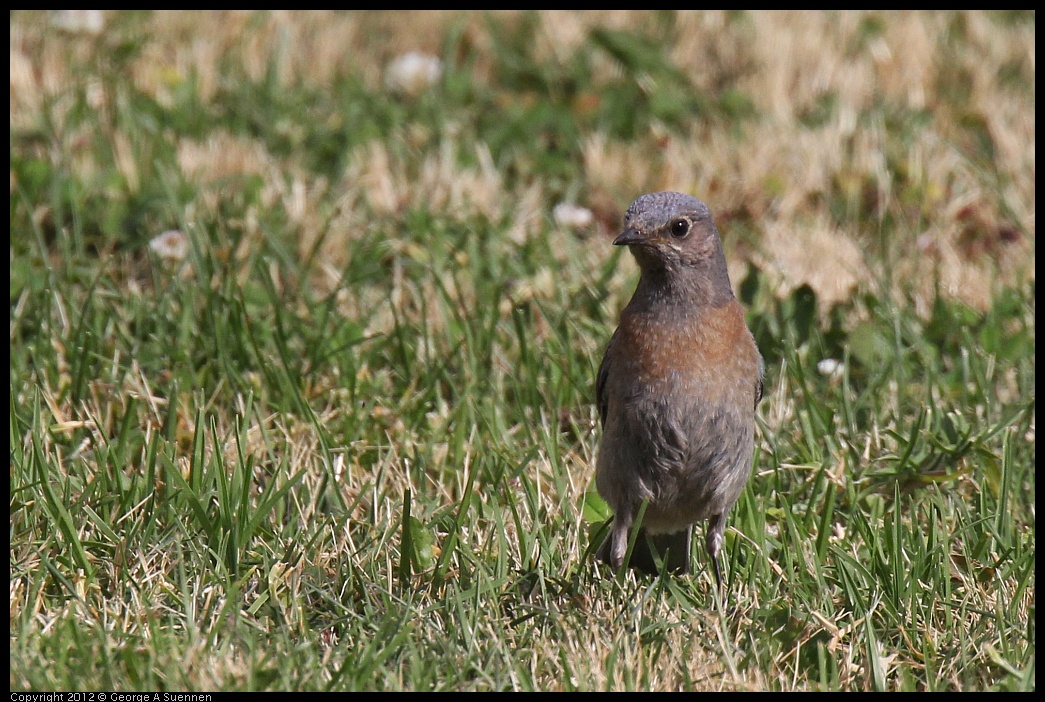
(713, 351)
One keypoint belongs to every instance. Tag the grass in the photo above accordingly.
(344, 440)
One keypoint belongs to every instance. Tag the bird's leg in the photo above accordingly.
(615, 546)
(619, 537)
(715, 536)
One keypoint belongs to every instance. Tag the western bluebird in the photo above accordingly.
(677, 389)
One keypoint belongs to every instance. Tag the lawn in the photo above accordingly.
(306, 310)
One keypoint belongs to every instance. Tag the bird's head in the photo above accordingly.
(674, 239)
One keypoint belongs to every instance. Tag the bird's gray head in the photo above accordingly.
(652, 211)
(674, 240)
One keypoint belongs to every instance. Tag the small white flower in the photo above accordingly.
(927, 244)
(412, 73)
(574, 216)
(171, 245)
(831, 367)
(86, 21)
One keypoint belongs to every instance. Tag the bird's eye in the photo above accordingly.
(679, 228)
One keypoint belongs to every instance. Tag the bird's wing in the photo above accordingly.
(601, 401)
(758, 380)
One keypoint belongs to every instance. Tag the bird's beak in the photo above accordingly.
(628, 237)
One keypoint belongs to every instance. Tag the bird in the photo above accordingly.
(676, 391)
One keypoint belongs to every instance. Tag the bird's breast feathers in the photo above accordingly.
(714, 356)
